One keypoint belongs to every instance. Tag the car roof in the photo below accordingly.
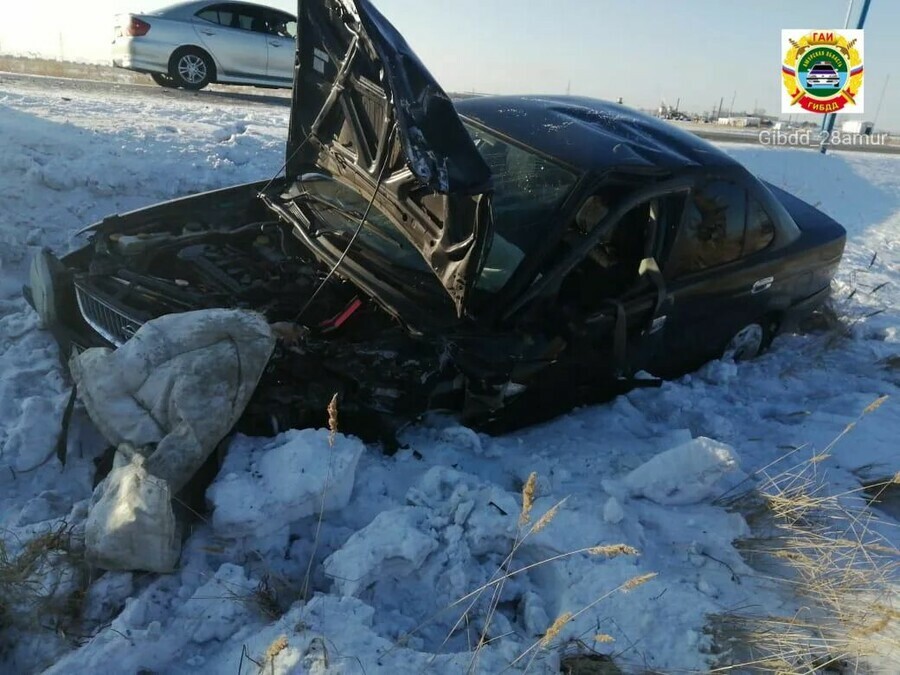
(592, 135)
(192, 6)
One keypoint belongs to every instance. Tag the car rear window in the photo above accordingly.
(760, 228)
(712, 230)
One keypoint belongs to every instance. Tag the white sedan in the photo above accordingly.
(192, 44)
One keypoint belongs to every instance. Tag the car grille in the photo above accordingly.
(113, 325)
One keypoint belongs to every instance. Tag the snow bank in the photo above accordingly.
(264, 487)
(686, 474)
(409, 535)
(393, 545)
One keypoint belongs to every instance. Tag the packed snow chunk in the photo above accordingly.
(220, 606)
(264, 487)
(685, 474)
(395, 544)
(106, 597)
(487, 513)
(613, 513)
(177, 387)
(131, 525)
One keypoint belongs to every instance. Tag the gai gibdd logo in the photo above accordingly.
(822, 71)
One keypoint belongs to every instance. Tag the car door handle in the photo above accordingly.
(274, 44)
(208, 32)
(762, 285)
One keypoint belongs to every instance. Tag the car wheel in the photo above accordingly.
(748, 343)
(191, 69)
(162, 80)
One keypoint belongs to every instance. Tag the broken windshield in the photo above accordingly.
(528, 190)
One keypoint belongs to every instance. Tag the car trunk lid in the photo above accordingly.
(366, 110)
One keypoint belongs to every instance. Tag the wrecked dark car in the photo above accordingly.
(499, 258)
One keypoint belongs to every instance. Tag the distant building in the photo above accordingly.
(744, 121)
(858, 127)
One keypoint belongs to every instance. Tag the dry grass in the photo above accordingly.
(859, 298)
(56, 68)
(277, 646)
(824, 550)
(333, 429)
(42, 581)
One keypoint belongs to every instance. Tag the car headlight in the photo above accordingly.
(44, 275)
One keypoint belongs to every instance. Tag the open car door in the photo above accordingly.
(368, 112)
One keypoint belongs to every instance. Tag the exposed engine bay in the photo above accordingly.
(345, 343)
(257, 266)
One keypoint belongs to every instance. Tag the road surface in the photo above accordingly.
(253, 96)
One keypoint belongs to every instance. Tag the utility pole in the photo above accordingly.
(731, 109)
(828, 122)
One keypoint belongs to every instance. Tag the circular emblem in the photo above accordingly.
(822, 72)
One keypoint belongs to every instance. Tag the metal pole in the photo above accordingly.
(881, 100)
(849, 11)
(846, 25)
(828, 122)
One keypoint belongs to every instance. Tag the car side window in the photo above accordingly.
(210, 14)
(282, 25)
(224, 15)
(252, 19)
(611, 268)
(760, 228)
(241, 17)
(712, 229)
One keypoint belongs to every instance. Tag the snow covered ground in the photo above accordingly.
(406, 537)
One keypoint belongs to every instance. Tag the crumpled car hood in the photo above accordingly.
(366, 111)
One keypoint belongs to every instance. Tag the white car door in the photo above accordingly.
(235, 35)
(282, 46)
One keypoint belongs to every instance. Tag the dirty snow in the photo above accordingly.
(403, 538)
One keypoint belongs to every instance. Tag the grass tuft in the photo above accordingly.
(825, 551)
(42, 581)
(613, 551)
(554, 630)
(528, 492)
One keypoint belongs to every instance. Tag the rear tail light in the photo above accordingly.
(137, 28)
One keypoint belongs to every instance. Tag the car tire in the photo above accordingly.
(163, 80)
(748, 343)
(191, 68)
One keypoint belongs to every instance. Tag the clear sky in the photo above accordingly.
(645, 51)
